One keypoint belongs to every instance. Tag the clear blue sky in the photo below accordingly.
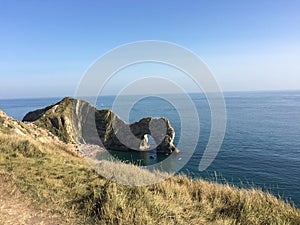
(46, 46)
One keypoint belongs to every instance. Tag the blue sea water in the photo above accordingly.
(261, 147)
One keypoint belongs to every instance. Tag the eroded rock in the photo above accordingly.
(77, 121)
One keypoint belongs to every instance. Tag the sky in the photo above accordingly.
(47, 46)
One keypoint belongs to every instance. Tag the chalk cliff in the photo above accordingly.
(77, 121)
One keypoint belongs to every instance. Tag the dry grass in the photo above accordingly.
(21, 209)
(64, 185)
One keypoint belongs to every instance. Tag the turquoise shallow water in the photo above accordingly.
(261, 145)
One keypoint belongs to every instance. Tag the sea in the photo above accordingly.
(261, 147)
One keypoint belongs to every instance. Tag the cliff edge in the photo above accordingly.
(77, 121)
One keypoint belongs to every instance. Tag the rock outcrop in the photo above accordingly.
(10, 126)
(2, 114)
(77, 121)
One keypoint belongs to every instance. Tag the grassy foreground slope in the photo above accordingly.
(59, 182)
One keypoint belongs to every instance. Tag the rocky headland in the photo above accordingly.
(78, 122)
(44, 180)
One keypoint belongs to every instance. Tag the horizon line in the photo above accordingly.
(150, 94)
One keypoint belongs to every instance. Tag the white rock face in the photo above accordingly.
(77, 121)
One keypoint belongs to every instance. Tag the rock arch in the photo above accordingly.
(77, 121)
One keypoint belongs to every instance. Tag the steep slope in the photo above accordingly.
(54, 180)
(76, 121)
(9, 125)
(2, 114)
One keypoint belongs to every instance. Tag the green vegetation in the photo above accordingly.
(56, 120)
(56, 180)
(63, 184)
(76, 121)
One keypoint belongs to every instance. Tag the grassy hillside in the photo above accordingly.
(58, 181)
(56, 118)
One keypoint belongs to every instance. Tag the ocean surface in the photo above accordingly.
(261, 147)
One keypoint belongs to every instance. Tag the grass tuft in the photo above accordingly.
(63, 184)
